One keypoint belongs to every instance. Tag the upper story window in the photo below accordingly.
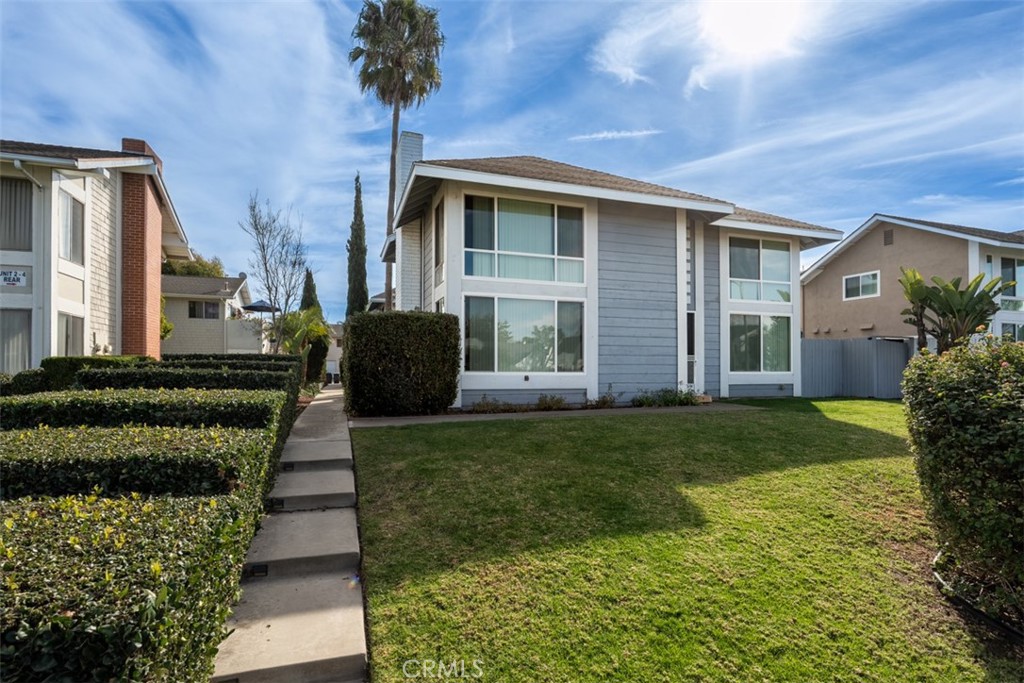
(15, 214)
(523, 240)
(1012, 269)
(860, 286)
(208, 310)
(759, 270)
(71, 214)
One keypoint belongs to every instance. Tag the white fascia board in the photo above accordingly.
(516, 182)
(152, 169)
(39, 160)
(141, 163)
(83, 164)
(949, 233)
(833, 235)
(815, 268)
(388, 241)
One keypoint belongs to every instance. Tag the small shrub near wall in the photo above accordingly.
(61, 370)
(400, 363)
(965, 413)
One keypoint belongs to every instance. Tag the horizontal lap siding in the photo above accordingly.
(712, 314)
(760, 390)
(576, 397)
(637, 322)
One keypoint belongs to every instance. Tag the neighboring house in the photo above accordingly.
(576, 283)
(334, 350)
(377, 302)
(853, 291)
(82, 236)
(207, 315)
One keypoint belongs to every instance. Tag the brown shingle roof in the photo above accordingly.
(536, 168)
(771, 219)
(63, 152)
(191, 285)
(1014, 237)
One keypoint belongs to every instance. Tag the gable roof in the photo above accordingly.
(983, 235)
(193, 285)
(535, 173)
(41, 150)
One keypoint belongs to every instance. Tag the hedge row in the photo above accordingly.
(129, 589)
(400, 363)
(154, 407)
(61, 370)
(159, 377)
(232, 364)
(121, 460)
(241, 357)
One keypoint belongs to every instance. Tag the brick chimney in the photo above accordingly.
(141, 228)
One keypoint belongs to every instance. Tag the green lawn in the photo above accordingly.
(781, 544)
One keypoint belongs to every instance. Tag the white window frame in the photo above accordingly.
(498, 252)
(762, 372)
(519, 373)
(760, 269)
(70, 316)
(860, 285)
(205, 303)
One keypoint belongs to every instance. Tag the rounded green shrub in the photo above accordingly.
(965, 413)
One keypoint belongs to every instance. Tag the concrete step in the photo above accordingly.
(301, 629)
(317, 456)
(324, 420)
(304, 542)
(313, 490)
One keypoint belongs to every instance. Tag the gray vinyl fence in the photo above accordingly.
(867, 368)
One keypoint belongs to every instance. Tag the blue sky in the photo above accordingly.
(825, 111)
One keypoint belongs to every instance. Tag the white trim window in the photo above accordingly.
(1014, 331)
(518, 239)
(759, 270)
(72, 228)
(204, 310)
(1012, 269)
(15, 340)
(861, 285)
(760, 343)
(523, 335)
(70, 335)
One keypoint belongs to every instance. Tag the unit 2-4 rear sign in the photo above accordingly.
(14, 278)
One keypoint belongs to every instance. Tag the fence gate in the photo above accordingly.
(863, 368)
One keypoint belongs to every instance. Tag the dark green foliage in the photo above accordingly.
(400, 363)
(122, 460)
(230, 365)
(61, 370)
(316, 359)
(358, 294)
(965, 414)
(551, 402)
(309, 298)
(664, 398)
(167, 408)
(30, 381)
(129, 589)
(158, 377)
(200, 267)
(190, 358)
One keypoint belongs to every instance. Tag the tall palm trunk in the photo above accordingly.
(392, 183)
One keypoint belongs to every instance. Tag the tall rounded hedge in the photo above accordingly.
(400, 363)
(965, 413)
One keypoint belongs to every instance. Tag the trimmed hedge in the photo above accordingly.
(400, 363)
(276, 366)
(154, 407)
(160, 377)
(30, 381)
(122, 460)
(241, 357)
(965, 413)
(61, 370)
(129, 589)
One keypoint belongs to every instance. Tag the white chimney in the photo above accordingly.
(410, 150)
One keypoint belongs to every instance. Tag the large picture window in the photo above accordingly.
(523, 240)
(759, 343)
(523, 335)
(72, 228)
(759, 270)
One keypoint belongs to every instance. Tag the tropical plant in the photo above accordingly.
(358, 295)
(300, 330)
(316, 358)
(947, 312)
(399, 43)
(166, 326)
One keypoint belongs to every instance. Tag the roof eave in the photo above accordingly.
(809, 238)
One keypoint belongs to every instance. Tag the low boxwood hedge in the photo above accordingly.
(230, 365)
(160, 377)
(30, 381)
(400, 363)
(239, 357)
(128, 589)
(153, 407)
(61, 370)
(122, 460)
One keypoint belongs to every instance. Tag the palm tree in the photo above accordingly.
(399, 42)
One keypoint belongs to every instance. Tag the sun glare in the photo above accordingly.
(753, 32)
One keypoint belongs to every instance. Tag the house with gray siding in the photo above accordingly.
(579, 283)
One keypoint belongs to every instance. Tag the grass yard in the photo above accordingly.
(782, 544)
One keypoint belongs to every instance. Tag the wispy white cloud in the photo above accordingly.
(615, 135)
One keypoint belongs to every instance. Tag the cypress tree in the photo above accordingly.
(309, 298)
(358, 296)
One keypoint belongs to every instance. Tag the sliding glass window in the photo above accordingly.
(760, 343)
(523, 335)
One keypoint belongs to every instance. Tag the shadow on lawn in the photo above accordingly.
(449, 494)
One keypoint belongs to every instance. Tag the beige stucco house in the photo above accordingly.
(853, 291)
(82, 235)
(208, 316)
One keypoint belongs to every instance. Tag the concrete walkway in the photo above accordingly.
(301, 614)
(363, 422)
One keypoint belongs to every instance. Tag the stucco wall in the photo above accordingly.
(827, 316)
